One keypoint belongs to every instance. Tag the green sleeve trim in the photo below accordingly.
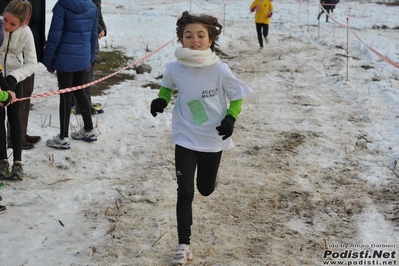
(3, 96)
(165, 94)
(235, 108)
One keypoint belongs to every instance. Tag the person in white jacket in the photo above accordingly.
(18, 59)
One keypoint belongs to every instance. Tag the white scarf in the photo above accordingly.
(196, 58)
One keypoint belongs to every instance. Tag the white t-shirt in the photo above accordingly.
(201, 104)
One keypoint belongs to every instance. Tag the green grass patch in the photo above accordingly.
(111, 61)
(389, 3)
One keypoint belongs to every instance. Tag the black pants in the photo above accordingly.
(14, 119)
(187, 161)
(88, 78)
(322, 11)
(259, 28)
(27, 89)
(27, 85)
(68, 80)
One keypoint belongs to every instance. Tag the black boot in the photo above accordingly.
(32, 139)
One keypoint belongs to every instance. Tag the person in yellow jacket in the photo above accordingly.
(263, 12)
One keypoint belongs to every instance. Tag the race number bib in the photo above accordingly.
(198, 112)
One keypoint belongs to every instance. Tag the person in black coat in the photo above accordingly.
(328, 5)
(102, 32)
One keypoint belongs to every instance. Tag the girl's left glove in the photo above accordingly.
(226, 127)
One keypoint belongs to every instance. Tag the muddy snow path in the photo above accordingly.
(309, 170)
(304, 174)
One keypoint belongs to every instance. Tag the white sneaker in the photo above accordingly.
(182, 254)
(82, 134)
(2, 208)
(58, 143)
(267, 39)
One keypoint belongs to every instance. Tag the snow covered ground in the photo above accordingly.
(310, 173)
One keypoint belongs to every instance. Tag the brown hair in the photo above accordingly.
(22, 9)
(210, 23)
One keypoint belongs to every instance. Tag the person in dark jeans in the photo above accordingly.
(37, 24)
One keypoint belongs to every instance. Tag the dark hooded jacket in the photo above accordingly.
(329, 4)
(72, 38)
(101, 26)
(37, 25)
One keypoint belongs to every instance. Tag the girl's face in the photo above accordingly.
(196, 37)
(10, 22)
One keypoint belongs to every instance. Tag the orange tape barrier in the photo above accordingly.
(46, 94)
(386, 59)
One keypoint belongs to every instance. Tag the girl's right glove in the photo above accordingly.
(157, 106)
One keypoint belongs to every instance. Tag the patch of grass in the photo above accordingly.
(389, 3)
(111, 61)
(152, 85)
(376, 27)
(366, 67)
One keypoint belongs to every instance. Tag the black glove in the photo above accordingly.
(157, 106)
(226, 127)
(3, 83)
(12, 82)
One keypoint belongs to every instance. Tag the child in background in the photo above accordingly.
(18, 57)
(37, 25)
(70, 48)
(263, 12)
(202, 123)
(328, 5)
